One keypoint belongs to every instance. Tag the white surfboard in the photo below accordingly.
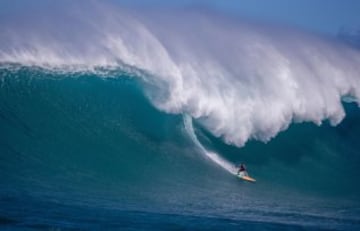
(246, 178)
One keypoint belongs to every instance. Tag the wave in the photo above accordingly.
(240, 80)
(145, 111)
(105, 129)
(79, 139)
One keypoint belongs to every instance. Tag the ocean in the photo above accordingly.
(134, 122)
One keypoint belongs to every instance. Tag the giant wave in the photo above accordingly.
(143, 111)
(241, 80)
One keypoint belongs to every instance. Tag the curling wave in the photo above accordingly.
(240, 80)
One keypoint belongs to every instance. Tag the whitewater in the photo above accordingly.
(130, 118)
(242, 80)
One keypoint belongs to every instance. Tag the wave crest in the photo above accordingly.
(239, 79)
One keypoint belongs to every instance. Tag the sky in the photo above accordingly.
(324, 16)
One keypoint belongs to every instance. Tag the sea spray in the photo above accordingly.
(240, 80)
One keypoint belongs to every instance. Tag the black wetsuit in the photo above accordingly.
(241, 169)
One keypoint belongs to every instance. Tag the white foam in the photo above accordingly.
(211, 155)
(240, 80)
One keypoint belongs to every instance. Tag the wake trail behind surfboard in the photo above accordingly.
(213, 156)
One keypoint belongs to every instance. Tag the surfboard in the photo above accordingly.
(246, 178)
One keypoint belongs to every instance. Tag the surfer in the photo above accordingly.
(242, 170)
(242, 173)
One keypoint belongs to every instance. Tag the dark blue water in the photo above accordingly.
(82, 152)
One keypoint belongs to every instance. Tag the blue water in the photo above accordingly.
(135, 119)
(82, 152)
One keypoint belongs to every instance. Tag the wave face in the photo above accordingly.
(121, 110)
(77, 139)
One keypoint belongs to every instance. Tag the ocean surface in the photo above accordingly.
(136, 122)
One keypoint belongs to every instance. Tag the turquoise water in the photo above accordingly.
(135, 119)
(80, 151)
